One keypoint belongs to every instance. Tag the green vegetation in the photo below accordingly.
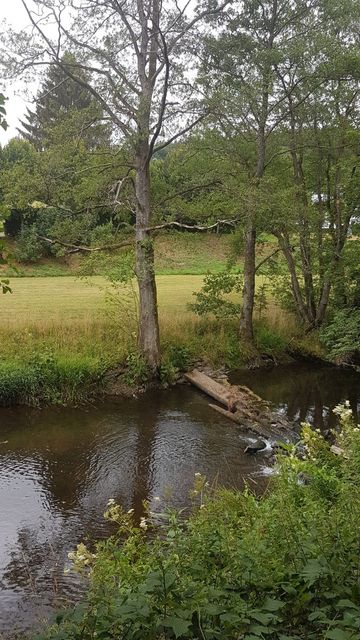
(44, 379)
(175, 253)
(154, 122)
(82, 327)
(265, 159)
(281, 567)
(342, 336)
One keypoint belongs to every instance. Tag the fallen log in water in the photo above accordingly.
(243, 406)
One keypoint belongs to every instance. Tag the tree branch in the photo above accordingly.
(75, 248)
(271, 255)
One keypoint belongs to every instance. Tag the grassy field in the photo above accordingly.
(59, 334)
(78, 315)
(175, 253)
(68, 299)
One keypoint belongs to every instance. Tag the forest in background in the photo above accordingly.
(239, 120)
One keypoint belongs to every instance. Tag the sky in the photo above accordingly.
(14, 13)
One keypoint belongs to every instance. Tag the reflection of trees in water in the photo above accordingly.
(34, 565)
(146, 422)
(35, 576)
(308, 392)
(62, 441)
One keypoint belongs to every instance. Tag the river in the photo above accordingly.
(59, 467)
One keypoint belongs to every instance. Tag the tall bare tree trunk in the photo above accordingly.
(149, 340)
(247, 309)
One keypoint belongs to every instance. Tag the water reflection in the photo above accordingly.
(304, 392)
(58, 468)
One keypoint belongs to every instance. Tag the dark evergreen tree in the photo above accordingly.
(62, 100)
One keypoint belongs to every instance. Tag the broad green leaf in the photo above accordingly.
(178, 625)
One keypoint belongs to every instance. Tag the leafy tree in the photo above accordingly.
(136, 59)
(246, 98)
(322, 141)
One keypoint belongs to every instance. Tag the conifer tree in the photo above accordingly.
(59, 97)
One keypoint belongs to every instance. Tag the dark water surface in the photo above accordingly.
(59, 467)
(304, 392)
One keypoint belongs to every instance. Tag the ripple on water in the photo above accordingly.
(59, 467)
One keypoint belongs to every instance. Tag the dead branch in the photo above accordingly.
(74, 248)
(193, 227)
(271, 255)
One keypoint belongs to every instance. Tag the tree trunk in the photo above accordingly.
(301, 308)
(246, 318)
(149, 340)
(247, 309)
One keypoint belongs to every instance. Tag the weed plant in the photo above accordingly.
(282, 567)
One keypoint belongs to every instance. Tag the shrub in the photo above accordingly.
(28, 247)
(342, 335)
(282, 567)
(136, 369)
(214, 295)
(46, 380)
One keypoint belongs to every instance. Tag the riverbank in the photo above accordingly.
(74, 364)
(62, 339)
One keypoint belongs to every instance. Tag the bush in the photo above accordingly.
(342, 335)
(283, 567)
(28, 247)
(46, 380)
(214, 295)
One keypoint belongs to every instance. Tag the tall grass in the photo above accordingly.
(58, 335)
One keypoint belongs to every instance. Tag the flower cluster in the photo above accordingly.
(115, 513)
(343, 411)
(82, 558)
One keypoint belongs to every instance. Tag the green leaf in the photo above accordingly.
(229, 617)
(178, 625)
(338, 634)
(261, 616)
(347, 604)
(313, 570)
(170, 577)
(271, 604)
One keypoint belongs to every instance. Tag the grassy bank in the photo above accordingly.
(58, 335)
(175, 253)
(281, 567)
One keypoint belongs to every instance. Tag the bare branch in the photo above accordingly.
(195, 227)
(177, 135)
(271, 255)
(75, 248)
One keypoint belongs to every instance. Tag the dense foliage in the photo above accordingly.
(342, 336)
(242, 117)
(284, 567)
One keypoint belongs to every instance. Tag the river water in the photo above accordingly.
(59, 467)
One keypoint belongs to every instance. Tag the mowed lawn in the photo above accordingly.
(67, 299)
